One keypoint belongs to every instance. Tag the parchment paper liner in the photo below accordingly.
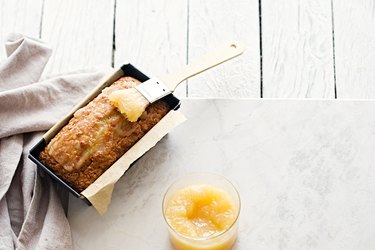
(99, 193)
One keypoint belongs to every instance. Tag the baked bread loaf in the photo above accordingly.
(96, 136)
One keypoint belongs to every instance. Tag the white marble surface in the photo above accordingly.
(304, 170)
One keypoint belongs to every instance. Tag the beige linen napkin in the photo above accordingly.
(31, 215)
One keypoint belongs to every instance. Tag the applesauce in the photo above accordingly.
(202, 211)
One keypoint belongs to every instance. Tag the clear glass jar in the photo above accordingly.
(221, 241)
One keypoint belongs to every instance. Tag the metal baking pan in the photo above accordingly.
(125, 70)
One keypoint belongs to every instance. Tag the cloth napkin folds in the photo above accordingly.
(31, 214)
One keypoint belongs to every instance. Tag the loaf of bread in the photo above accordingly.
(96, 136)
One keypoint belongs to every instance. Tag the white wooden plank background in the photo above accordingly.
(212, 22)
(152, 35)
(80, 33)
(308, 46)
(21, 16)
(297, 49)
(355, 48)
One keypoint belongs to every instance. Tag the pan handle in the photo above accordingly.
(213, 58)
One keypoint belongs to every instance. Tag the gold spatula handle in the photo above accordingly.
(213, 58)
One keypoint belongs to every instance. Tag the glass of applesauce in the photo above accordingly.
(201, 211)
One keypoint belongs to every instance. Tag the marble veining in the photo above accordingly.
(304, 170)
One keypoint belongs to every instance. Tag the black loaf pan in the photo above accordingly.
(125, 70)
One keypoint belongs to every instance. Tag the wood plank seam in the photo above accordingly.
(187, 43)
(333, 48)
(41, 20)
(260, 49)
(114, 35)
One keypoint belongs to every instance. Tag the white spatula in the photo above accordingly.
(133, 102)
